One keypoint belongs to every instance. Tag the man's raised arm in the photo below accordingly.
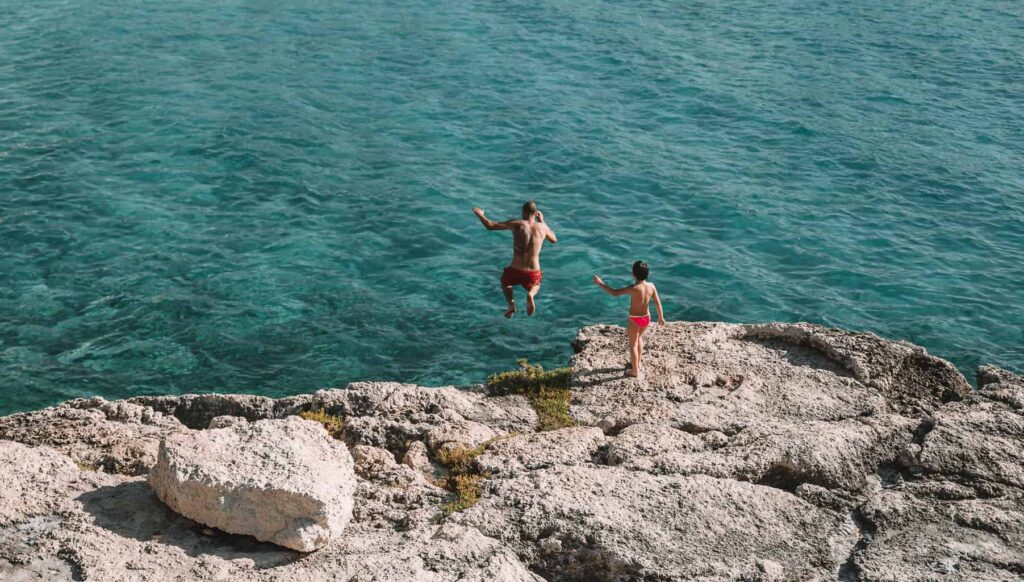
(490, 224)
(550, 234)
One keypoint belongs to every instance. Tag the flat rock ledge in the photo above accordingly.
(747, 452)
(284, 481)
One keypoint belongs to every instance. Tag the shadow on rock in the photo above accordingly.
(597, 376)
(132, 510)
(799, 355)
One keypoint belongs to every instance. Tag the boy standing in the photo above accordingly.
(641, 292)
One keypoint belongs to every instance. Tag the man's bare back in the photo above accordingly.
(528, 236)
(527, 239)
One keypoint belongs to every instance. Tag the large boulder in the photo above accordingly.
(282, 481)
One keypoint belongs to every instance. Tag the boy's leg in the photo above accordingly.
(640, 348)
(531, 306)
(634, 338)
(507, 290)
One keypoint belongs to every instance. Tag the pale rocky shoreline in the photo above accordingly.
(748, 452)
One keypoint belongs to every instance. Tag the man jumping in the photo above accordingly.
(528, 236)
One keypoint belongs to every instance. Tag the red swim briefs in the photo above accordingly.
(641, 321)
(512, 276)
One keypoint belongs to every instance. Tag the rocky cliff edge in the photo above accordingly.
(746, 452)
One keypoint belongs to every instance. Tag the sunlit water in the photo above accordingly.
(275, 197)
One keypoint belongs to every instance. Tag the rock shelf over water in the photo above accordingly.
(748, 452)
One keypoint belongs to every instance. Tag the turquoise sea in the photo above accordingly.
(275, 197)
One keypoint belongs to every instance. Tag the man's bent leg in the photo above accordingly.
(507, 290)
(531, 305)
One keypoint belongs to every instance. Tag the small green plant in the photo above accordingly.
(86, 465)
(552, 406)
(463, 478)
(334, 424)
(467, 492)
(547, 391)
(459, 460)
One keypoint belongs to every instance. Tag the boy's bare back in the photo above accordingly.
(640, 296)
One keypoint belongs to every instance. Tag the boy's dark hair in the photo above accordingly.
(529, 209)
(641, 270)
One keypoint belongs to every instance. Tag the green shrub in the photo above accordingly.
(463, 479)
(548, 392)
(87, 465)
(527, 378)
(459, 460)
(552, 406)
(467, 492)
(334, 424)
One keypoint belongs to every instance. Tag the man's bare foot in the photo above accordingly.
(511, 310)
(632, 375)
(531, 307)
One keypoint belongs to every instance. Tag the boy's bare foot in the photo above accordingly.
(511, 310)
(531, 307)
(632, 375)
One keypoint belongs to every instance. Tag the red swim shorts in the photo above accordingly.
(527, 279)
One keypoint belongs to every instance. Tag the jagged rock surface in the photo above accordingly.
(116, 437)
(747, 452)
(567, 446)
(606, 523)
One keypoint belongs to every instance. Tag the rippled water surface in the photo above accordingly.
(275, 197)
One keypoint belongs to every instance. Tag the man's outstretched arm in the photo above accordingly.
(490, 224)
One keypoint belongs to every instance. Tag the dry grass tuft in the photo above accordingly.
(87, 466)
(547, 391)
(463, 479)
(459, 460)
(334, 424)
(467, 492)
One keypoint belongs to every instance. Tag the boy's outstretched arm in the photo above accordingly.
(490, 224)
(657, 305)
(609, 290)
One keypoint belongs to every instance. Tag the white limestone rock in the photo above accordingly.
(747, 452)
(607, 523)
(114, 437)
(416, 458)
(283, 481)
(567, 446)
(465, 434)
